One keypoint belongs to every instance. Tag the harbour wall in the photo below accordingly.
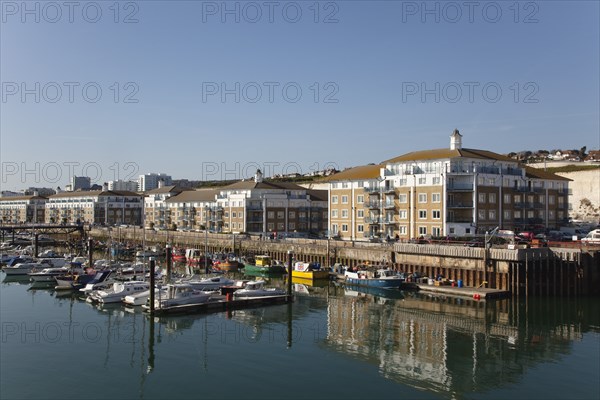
(521, 271)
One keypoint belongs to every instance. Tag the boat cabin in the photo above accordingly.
(262, 261)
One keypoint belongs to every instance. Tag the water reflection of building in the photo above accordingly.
(447, 345)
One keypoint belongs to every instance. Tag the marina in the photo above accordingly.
(418, 344)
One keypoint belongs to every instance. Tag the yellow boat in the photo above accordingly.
(308, 271)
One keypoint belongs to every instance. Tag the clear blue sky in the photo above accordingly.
(387, 75)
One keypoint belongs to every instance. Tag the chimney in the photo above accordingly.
(258, 177)
(104, 187)
(455, 140)
(161, 183)
(36, 193)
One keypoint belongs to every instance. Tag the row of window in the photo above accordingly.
(517, 198)
(402, 198)
(402, 229)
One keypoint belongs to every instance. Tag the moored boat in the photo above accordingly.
(178, 294)
(381, 278)
(264, 264)
(309, 271)
(118, 291)
(254, 289)
(47, 274)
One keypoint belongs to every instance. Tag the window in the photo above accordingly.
(530, 214)
(436, 214)
(506, 214)
(422, 230)
(292, 214)
(271, 214)
(344, 227)
(402, 182)
(517, 214)
(437, 180)
(550, 214)
(360, 213)
(334, 185)
(492, 214)
(481, 214)
(550, 199)
(481, 197)
(517, 198)
(542, 199)
(436, 198)
(402, 229)
(334, 228)
(280, 215)
(334, 213)
(280, 226)
(452, 231)
(422, 214)
(422, 180)
(491, 181)
(507, 199)
(436, 231)
(292, 226)
(360, 228)
(360, 199)
(402, 198)
(233, 214)
(422, 197)
(344, 213)
(481, 180)
(334, 199)
(270, 226)
(492, 198)
(344, 199)
(226, 214)
(403, 214)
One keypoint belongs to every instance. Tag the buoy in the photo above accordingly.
(477, 296)
(229, 296)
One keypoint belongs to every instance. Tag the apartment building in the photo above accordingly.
(444, 192)
(252, 206)
(157, 213)
(96, 207)
(22, 209)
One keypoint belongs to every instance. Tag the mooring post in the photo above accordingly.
(90, 252)
(37, 244)
(168, 255)
(152, 266)
(289, 275)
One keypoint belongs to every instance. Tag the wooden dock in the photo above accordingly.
(470, 292)
(221, 304)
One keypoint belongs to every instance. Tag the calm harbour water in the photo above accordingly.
(333, 342)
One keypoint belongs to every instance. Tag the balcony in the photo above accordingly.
(373, 204)
(389, 189)
(460, 220)
(461, 204)
(389, 205)
(373, 190)
(458, 187)
(373, 220)
(390, 222)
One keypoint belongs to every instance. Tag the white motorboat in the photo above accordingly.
(47, 274)
(102, 282)
(178, 294)
(118, 291)
(254, 289)
(23, 268)
(214, 283)
(139, 299)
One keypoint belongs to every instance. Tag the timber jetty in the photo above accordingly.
(546, 271)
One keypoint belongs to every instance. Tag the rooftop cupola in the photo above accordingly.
(455, 140)
(258, 177)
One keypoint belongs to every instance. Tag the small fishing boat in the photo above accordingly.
(254, 289)
(227, 265)
(23, 268)
(47, 274)
(141, 298)
(213, 283)
(118, 291)
(381, 278)
(309, 271)
(263, 264)
(178, 294)
(101, 281)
